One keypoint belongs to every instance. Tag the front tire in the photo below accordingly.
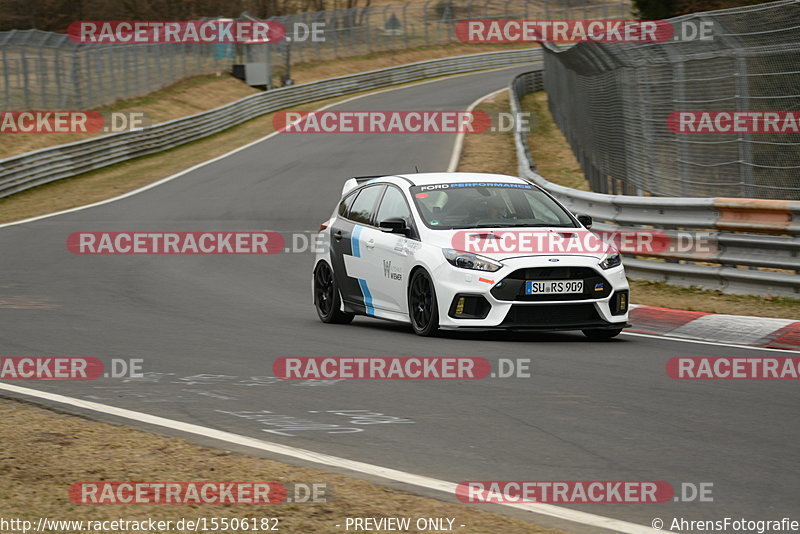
(598, 335)
(326, 296)
(422, 308)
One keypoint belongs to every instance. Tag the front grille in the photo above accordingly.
(512, 287)
(561, 315)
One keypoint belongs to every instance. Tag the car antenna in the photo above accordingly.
(416, 169)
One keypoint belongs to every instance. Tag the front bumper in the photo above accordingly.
(505, 307)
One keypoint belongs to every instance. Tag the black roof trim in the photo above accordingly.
(362, 179)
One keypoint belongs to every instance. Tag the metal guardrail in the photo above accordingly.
(46, 165)
(751, 246)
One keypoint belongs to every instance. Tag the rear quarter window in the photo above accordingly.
(344, 205)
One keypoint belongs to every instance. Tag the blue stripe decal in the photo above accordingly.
(355, 244)
(367, 296)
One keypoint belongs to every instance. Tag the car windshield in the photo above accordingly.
(487, 205)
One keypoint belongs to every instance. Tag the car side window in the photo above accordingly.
(544, 213)
(345, 204)
(393, 205)
(362, 208)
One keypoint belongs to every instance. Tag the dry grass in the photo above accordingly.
(187, 97)
(311, 71)
(487, 151)
(202, 93)
(551, 152)
(42, 453)
(694, 299)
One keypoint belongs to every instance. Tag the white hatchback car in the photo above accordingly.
(464, 250)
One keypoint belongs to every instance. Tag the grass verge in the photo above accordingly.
(695, 299)
(123, 177)
(551, 152)
(189, 96)
(42, 453)
(554, 160)
(202, 93)
(185, 98)
(489, 151)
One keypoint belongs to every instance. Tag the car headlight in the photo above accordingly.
(465, 260)
(610, 261)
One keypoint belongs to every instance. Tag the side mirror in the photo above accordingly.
(585, 220)
(395, 225)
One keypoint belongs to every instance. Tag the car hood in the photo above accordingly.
(504, 243)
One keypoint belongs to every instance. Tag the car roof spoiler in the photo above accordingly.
(355, 181)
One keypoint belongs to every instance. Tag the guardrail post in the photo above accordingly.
(6, 80)
(76, 81)
(745, 143)
(425, 19)
(405, 23)
(26, 83)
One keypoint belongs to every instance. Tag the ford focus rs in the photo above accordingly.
(463, 250)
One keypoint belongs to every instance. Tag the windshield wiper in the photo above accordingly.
(512, 225)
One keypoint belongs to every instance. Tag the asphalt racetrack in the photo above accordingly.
(209, 327)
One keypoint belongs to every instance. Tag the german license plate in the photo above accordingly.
(548, 287)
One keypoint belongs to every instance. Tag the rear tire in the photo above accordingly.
(326, 296)
(422, 308)
(602, 334)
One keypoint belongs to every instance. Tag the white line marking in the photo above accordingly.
(243, 147)
(325, 459)
(458, 147)
(667, 337)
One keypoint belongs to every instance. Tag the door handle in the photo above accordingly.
(338, 235)
(370, 244)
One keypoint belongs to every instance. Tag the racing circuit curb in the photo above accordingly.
(739, 329)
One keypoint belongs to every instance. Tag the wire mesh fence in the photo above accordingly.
(613, 102)
(381, 28)
(43, 70)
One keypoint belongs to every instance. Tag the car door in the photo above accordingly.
(351, 251)
(395, 252)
